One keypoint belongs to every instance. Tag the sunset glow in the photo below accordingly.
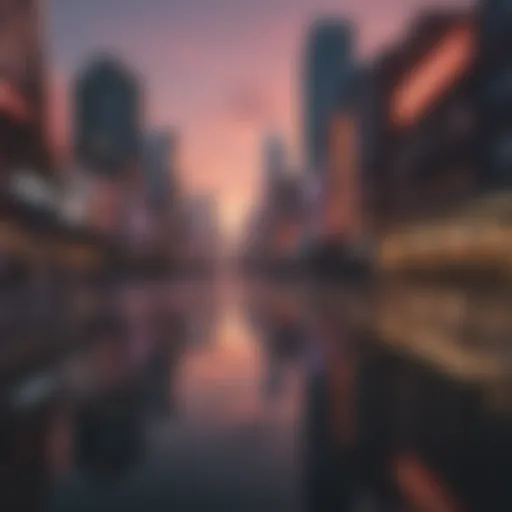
(222, 77)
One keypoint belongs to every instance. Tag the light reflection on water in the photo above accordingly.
(237, 396)
(222, 434)
(220, 381)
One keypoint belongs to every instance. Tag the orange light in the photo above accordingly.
(432, 77)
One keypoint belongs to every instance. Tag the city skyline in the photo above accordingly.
(222, 73)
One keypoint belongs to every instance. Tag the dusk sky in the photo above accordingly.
(223, 72)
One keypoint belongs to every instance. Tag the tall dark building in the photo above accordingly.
(424, 157)
(328, 67)
(108, 117)
(495, 92)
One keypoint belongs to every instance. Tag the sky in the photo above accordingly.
(222, 72)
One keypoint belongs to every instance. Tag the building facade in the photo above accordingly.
(201, 237)
(158, 149)
(495, 92)
(22, 99)
(441, 164)
(342, 217)
(425, 137)
(275, 167)
(328, 66)
(108, 117)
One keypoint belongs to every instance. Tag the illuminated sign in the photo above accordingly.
(433, 76)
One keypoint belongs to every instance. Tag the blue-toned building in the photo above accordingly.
(108, 117)
(328, 69)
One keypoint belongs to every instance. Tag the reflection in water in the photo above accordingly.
(251, 397)
(108, 434)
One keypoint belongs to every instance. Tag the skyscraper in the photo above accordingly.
(108, 117)
(158, 149)
(327, 70)
(201, 228)
(275, 164)
(495, 94)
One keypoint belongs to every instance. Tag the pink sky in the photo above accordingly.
(222, 77)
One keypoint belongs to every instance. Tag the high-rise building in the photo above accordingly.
(426, 143)
(328, 69)
(275, 165)
(108, 118)
(201, 228)
(158, 156)
(495, 93)
(22, 105)
(275, 160)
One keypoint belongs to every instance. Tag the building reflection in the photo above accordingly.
(393, 410)
(431, 406)
(402, 410)
(163, 365)
(109, 434)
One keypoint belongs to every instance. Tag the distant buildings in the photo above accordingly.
(417, 134)
(158, 151)
(327, 71)
(108, 118)
(200, 239)
(288, 218)
(108, 131)
(159, 169)
(274, 160)
(274, 233)
(132, 171)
